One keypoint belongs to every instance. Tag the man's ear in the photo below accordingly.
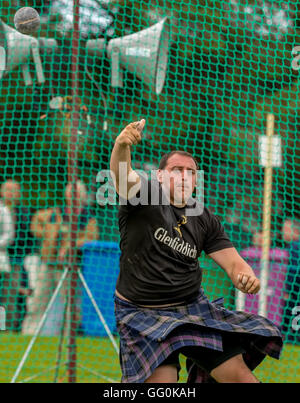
(159, 175)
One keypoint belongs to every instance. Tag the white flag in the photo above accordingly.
(276, 159)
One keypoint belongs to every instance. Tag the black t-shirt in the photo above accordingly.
(160, 246)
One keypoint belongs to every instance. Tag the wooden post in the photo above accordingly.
(267, 207)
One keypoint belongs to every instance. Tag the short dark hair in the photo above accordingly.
(164, 159)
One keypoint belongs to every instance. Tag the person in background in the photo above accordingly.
(15, 287)
(277, 268)
(6, 237)
(239, 234)
(52, 227)
(291, 237)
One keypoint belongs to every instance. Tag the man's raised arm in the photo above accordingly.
(120, 162)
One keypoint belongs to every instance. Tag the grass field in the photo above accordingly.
(97, 361)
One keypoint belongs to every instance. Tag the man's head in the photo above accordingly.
(11, 193)
(177, 174)
(81, 194)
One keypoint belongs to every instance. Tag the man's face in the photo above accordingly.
(178, 178)
(11, 193)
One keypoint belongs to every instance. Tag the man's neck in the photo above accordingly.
(173, 203)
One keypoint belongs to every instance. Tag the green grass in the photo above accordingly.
(98, 361)
(96, 358)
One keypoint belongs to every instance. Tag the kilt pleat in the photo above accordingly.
(149, 335)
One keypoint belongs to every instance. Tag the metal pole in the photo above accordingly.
(72, 178)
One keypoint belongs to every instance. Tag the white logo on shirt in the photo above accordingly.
(175, 243)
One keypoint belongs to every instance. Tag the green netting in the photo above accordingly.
(230, 64)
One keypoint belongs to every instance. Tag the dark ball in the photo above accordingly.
(27, 20)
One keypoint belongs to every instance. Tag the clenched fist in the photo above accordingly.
(131, 135)
(248, 283)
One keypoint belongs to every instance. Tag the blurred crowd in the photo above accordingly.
(34, 249)
(283, 291)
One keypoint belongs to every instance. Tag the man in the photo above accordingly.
(16, 285)
(160, 308)
(51, 226)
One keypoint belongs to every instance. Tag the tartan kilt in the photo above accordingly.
(149, 335)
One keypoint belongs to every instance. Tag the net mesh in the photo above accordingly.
(230, 64)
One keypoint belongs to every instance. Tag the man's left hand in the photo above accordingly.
(248, 284)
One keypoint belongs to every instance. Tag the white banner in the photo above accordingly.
(276, 159)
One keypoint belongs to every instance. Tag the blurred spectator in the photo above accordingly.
(257, 239)
(237, 231)
(277, 268)
(52, 227)
(291, 231)
(275, 242)
(291, 236)
(15, 285)
(6, 237)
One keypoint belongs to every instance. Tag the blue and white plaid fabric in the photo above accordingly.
(149, 335)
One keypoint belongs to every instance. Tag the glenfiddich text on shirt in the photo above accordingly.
(183, 247)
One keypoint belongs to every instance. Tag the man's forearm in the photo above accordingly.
(120, 161)
(120, 153)
(240, 267)
(237, 269)
(244, 278)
